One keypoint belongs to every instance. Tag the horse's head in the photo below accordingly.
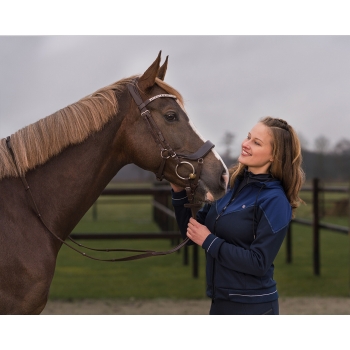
(161, 138)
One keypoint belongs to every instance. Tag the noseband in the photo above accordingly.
(167, 152)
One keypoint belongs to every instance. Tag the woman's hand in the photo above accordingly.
(176, 188)
(197, 232)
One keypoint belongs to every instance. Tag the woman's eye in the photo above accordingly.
(170, 117)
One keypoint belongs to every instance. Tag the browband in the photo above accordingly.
(138, 100)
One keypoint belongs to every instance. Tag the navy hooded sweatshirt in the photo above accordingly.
(247, 228)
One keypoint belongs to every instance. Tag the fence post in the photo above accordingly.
(167, 223)
(316, 228)
(195, 261)
(94, 211)
(289, 244)
(185, 257)
(161, 218)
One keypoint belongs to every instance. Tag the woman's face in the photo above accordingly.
(257, 150)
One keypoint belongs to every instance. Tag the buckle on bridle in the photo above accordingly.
(145, 112)
(172, 153)
(192, 175)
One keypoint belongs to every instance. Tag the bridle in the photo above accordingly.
(166, 152)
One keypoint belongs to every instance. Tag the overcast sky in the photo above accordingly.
(228, 81)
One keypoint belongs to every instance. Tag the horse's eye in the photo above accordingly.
(170, 117)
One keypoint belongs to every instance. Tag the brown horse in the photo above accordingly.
(68, 158)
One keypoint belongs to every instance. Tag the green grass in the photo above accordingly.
(298, 279)
(77, 277)
(156, 277)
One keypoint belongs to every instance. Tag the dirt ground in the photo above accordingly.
(288, 306)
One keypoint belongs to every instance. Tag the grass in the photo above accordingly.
(297, 279)
(157, 277)
(77, 277)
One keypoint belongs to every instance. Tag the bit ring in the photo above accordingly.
(184, 178)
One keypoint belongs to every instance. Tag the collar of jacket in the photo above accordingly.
(248, 177)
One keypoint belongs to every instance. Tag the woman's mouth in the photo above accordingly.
(245, 153)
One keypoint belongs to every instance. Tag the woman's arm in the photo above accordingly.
(259, 257)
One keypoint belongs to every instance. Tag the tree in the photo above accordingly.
(228, 141)
(342, 147)
(322, 144)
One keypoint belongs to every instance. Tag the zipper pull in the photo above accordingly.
(222, 211)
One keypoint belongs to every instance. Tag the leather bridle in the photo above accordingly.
(166, 152)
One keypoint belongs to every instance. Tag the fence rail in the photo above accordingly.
(163, 215)
(165, 218)
(324, 225)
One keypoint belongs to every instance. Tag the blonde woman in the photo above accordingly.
(242, 232)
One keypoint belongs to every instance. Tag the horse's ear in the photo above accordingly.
(148, 78)
(162, 69)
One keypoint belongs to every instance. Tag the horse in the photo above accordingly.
(70, 156)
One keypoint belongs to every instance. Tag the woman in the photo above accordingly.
(243, 231)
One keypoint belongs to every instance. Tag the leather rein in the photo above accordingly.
(166, 152)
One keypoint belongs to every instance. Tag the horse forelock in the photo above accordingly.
(36, 143)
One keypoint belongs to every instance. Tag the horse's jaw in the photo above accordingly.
(204, 194)
(210, 197)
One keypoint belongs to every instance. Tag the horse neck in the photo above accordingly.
(68, 184)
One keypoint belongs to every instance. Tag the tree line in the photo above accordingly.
(324, 162)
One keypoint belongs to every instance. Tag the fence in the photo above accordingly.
(315, 222)
(163, 215)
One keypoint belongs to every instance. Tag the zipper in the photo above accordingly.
(216, 220)
(233, 197)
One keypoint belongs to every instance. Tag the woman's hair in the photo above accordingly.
(286, 166)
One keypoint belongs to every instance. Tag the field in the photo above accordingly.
(167, 278)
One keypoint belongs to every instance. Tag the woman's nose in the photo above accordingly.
(245, 143)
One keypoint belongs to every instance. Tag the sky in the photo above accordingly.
(228, 81)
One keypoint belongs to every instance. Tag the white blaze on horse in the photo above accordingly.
(69, 157)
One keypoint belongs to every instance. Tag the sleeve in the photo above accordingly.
(256, 260)
(184, 214)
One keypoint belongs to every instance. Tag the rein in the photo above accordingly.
(166, 152)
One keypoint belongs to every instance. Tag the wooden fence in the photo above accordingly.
(316, 223)
(164, 216)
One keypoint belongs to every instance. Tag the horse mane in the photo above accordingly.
(36, 143)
